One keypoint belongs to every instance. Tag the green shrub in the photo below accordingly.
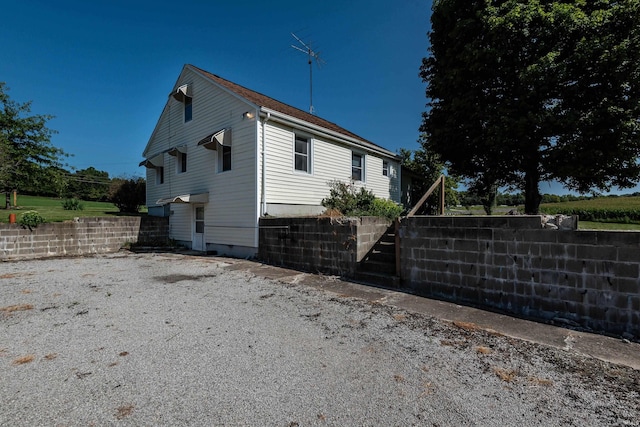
(128, 194)
(385, 208)
(350, 201)
(72, 204)
(31, 219)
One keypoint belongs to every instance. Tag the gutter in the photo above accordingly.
(264, 163)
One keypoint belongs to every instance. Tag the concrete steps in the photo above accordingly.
(378, 267)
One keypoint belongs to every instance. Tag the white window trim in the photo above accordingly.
(220, 160)
(178, 160)
(309, 153)
(363, 166)
(184, 110)
(160, 178)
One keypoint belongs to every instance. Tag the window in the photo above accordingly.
(200, 219)
(357, 167)
(385, 168)
(302, 156)
(182, 162)
(159, 175)
(188, 108)
(224, 158)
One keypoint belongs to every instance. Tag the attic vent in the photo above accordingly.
(221, 137)
(182, 93)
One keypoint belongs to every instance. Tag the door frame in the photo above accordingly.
(198, 243)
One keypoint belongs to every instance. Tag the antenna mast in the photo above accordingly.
(306, 49)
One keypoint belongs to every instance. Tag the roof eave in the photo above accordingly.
(326, 132)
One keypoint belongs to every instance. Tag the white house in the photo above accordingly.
(221, 156)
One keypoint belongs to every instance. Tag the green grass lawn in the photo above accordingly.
(607, 226)
(52, 211)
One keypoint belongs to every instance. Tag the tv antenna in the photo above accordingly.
(311, 54)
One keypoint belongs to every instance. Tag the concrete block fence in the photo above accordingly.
(81, 237)
(319, 244)
(585, 278)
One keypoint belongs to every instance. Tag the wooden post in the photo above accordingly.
(15, 198)
(441, 194)
(439, 181)
(397, 238)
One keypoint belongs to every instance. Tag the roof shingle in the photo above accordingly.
(272, 104)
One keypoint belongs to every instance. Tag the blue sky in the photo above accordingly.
(104, 67)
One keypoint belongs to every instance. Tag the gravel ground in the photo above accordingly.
(170, 339)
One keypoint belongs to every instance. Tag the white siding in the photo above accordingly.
(330, 161)
(230, 214)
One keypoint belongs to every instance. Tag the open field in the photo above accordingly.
(623, 202)
(51, 209)
(602, 213)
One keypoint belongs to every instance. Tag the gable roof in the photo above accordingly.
(261, 100)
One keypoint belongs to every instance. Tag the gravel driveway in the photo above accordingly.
(170, 339)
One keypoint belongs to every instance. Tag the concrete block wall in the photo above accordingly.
(582, 278)
(82, 236)
(319, 244)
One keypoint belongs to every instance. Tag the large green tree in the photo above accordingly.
(89, 184)
(26, 152)
(522, 91)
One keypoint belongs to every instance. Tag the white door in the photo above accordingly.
(198, 243)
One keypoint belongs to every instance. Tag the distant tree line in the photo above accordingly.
(31, 164)
(90, 184)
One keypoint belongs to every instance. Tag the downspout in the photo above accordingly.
(264, 168)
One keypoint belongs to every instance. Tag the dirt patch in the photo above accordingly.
(175, 278)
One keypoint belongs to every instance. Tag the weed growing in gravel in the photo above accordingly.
(400, 317)
(18, 307)
(540, 381)
(24, 359)
(428, 389)
(483, 350)
(467, 326)
(506, 375)
(124, 411)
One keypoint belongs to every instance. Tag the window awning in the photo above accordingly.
(175, 150)
(222, 137)
(181, 93)
(154, 162)
(185, 198)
